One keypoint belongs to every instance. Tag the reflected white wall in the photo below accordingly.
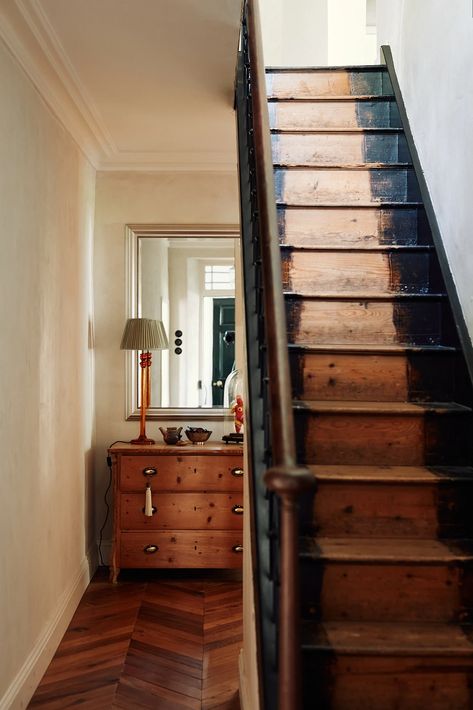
(154, 303)
(186, 296)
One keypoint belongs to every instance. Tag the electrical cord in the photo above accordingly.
(105, 498)
(107, 509)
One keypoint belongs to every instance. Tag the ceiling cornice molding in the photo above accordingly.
(198, 168)
(23, 44)
(181, 161)
(30, 37)
(40, 26)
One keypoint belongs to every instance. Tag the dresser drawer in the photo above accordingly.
(182, 473)
(185, 511)
(180, 548)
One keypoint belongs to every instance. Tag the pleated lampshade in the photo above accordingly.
(144, 334)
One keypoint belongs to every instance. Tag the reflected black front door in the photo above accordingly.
(223, 345)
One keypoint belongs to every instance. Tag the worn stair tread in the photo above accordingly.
(399, 408)
(364, 248)
(332, 167)
(331, 98)
(340, 185)
(388, 639)
(370, 349)
(356, 249)
(391, 474)
(328, 69)
(331, 130)
(343, 166)
(364, 296)
(393, 551)
(409, 204)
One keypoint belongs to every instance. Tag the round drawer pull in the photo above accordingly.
(154, 510)
(237, 472)
(149, 472)
(237, 510)
(150, 549)
(237, 548)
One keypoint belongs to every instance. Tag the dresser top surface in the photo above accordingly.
(210, 448)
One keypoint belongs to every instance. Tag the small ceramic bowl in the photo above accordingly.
(198, 435)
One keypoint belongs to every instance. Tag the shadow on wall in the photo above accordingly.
(89, 510)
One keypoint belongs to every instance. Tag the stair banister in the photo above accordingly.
(284, 477)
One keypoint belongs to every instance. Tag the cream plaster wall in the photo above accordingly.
(139, 198)
(432, 48)
(46, 381)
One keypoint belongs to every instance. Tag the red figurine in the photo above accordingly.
(237, 410)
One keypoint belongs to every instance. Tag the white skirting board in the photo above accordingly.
(28, 677)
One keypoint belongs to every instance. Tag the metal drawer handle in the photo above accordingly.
(150, 549)
(149, 472)
(237, 510)
(154, 510)
(237, 472)
(237, 548)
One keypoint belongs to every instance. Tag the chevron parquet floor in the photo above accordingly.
(160, 640)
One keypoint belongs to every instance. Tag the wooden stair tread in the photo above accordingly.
(356, 249)
(409, 204)
(363, 296)
(371, 349)
(393, 551)
(399, 408)
(330, 98)
(343, 166)
(331, 130)
(393, 639)
(328, 69)
(391, 474)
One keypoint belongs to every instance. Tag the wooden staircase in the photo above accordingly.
(381, 403)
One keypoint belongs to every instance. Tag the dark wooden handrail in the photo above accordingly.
(284, 477)
(283, 446)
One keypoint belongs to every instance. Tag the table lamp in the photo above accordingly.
(144, 334)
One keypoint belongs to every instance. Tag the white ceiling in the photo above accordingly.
(152, 78)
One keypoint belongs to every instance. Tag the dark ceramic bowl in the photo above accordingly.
(198, 436)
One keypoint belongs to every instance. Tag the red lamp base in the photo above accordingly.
(142, 440)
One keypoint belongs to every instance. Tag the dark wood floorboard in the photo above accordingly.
(167, 640)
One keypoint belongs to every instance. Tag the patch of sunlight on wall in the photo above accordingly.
(294, 32)
(318, 32)
(352, 35)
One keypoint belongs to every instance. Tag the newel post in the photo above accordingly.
(289, 484)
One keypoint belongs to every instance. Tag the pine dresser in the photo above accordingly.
(177, 506)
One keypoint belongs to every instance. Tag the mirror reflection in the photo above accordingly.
(188, 282)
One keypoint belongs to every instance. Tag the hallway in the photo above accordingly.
(161, 640)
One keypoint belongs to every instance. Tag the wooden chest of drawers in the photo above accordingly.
(197, 496)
